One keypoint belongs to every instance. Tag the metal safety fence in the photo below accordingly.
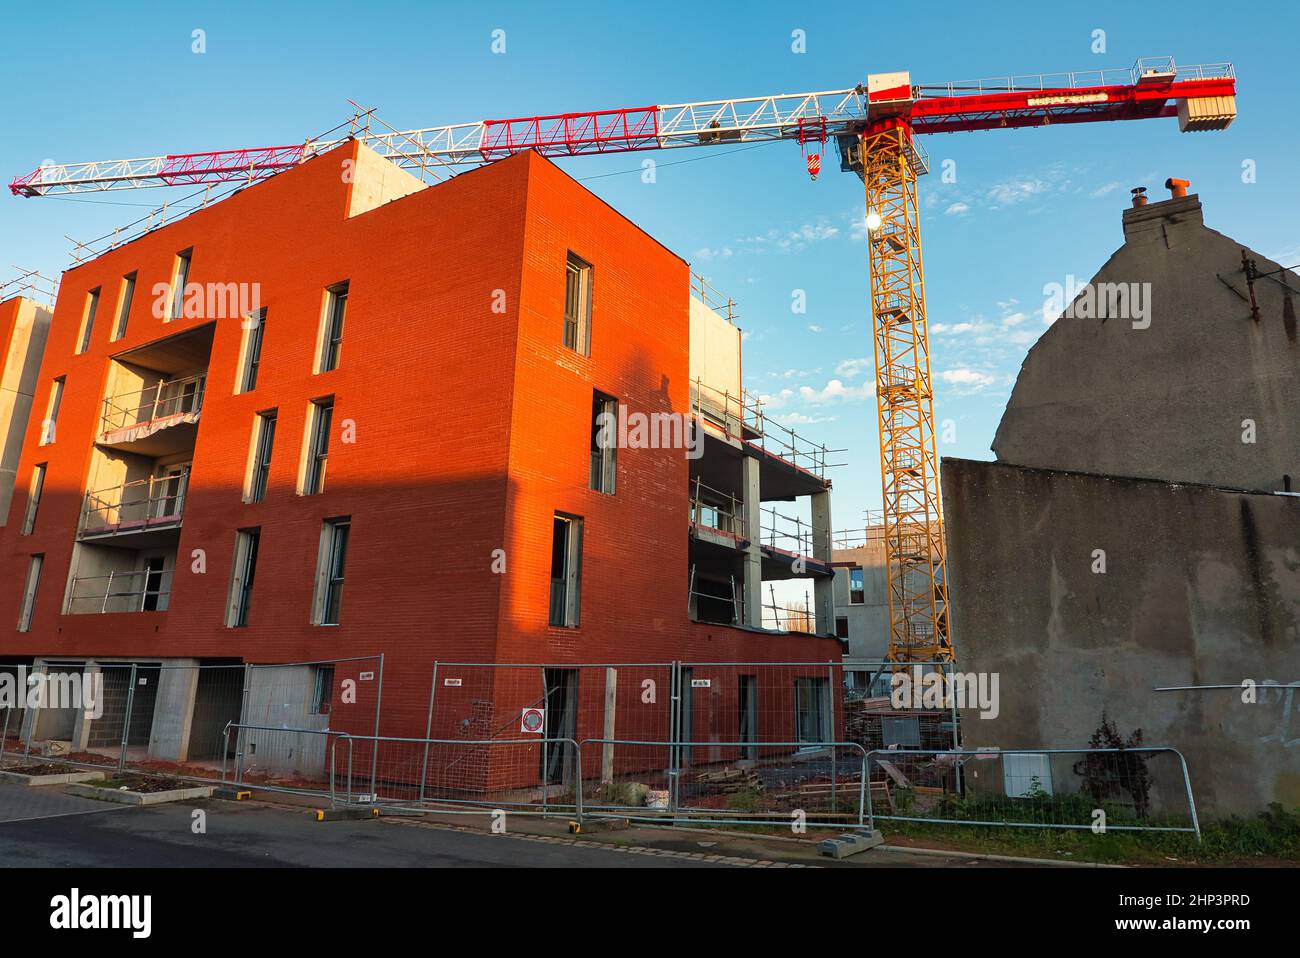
(175, 719)
(706, 741)
(1101, 789)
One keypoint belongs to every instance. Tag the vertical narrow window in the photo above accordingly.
(88, 319)
(34, 498)
(748, 700)
(604, 442)
(320, 421)
(566, 571)
(263, 445)
(857, 586)
(810, 710)
(322, 699)
(336, 305)
(124, 306)
(180, 278)
(156, 591)
(330, 568)
(52, 412)
(577, 305)
(29, 592)
(241, 584)
(254, 331)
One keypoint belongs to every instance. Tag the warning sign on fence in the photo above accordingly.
(532, 720)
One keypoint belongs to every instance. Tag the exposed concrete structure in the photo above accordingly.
(1112, 551)
(1108, 393)
(861, 604)
(24, 326)
(1202, 587)
(746, 461)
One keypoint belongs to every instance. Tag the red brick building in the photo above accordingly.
(395, 455)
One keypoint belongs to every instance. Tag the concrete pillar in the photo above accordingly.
(173, 713)
(81, 725)
(823, 586)
(611, 704)
(752, 610)
(30, 715)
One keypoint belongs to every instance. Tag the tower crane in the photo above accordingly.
(874, 126)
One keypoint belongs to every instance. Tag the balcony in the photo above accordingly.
(137, 590)
(791, 545)
(156, 420)
(717, 517)
(135, 508)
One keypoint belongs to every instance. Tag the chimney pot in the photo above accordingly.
(1176, 188)
(1139, 195)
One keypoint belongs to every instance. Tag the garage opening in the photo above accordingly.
(217, 701)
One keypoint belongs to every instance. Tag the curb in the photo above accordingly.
(139, 798)
(939, 852)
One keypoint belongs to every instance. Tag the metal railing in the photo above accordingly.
(1101, 789)
(135, 590)
(156, 502)
(32, 284)
(162, 400)
(1117, 76)
(743, 418)
(707, 294)
(717, 510)
(791, 534)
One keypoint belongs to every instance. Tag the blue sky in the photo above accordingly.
(1028, 207)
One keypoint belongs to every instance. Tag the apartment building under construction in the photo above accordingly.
(343, 413)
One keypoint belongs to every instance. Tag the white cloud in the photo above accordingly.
(967, 377)
(799, 419)
(833, 391)
(1016, 190)
(814, 329)
(792, 240)
(851, 368)
(1110, 187)
(706, 254)
(954, 329)
(957, 209)
(776, 400)
(1014, 319)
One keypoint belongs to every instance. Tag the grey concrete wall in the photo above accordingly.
(1168, 401)
(869, 620)
(173, 712)
(1202, 587)
(279, 697)
(22, 364)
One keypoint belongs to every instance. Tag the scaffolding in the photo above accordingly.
(707, 294)
(31, 284)
(743, 418)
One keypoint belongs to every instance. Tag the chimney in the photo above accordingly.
(1164, 221)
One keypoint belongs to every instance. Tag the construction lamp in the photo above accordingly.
(873, 221)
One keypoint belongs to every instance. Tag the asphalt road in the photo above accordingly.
(44, 828)
(241, 836)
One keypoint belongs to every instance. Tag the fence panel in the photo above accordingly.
(472, 705)
(1137, 789)
(401, 776)
(164, 718)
